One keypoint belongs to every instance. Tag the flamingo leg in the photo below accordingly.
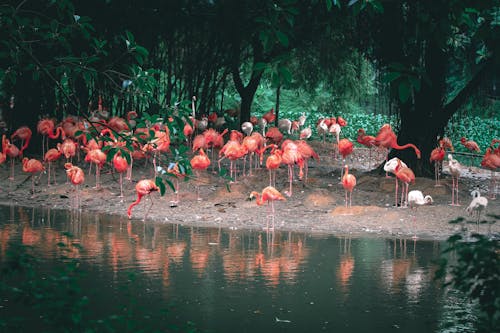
(369, 157)
(387, 159)
(307, 170)
(493, 185)
(268, 215)
(48, 178)
(97, 177)
(406, 186)
(396, 192)
(32, 186)
(231, 170)
(121, 184)
(272, 214)
(452, 190)
(150, 206)
(129, 170)
(436, 173)
(11, 169)
(213, 166)
(77, 190)
(290, 179)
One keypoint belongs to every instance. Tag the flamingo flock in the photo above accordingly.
(119, 142)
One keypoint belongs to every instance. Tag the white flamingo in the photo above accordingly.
(415, 199)
(477, 205)
(455, 171)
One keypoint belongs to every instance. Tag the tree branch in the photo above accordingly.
(450, 108)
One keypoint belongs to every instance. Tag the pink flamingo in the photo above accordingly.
(269, 195)
(143, 187)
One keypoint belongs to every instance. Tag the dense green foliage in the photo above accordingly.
(423, 61)
(476, 273)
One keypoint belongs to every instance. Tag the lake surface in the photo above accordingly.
(219, 280)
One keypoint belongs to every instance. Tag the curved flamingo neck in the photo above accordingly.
(258, 198)
(4, 143)
(408, 145)
(26, 143)
(129, 210)
(59, 133)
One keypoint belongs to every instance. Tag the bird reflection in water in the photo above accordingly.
(346, 265)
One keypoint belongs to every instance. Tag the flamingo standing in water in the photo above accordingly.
(348, 182)
(76, 177)
(198, 163)
(269, 195)
(32, 166)
(143, 187)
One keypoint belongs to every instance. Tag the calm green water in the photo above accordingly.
(165, 276)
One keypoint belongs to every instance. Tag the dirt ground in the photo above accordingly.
(316, 206)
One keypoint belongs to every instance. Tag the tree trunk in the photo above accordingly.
(246, 92)
(277, 107)
(428, 121)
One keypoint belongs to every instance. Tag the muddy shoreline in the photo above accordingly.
(316, 206)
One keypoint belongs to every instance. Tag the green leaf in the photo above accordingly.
(285, 74)
(160, 184)
(391, 76)
(264, 38)
(112, 152)
(282, 38)
(260, 66)
(142, 50)
(415, 82)
(377, 6)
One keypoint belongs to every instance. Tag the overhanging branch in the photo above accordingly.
(450, 108)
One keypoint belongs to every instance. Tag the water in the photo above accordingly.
(163, 276)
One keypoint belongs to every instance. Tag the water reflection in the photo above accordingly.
(346, 266)
(230, 279)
